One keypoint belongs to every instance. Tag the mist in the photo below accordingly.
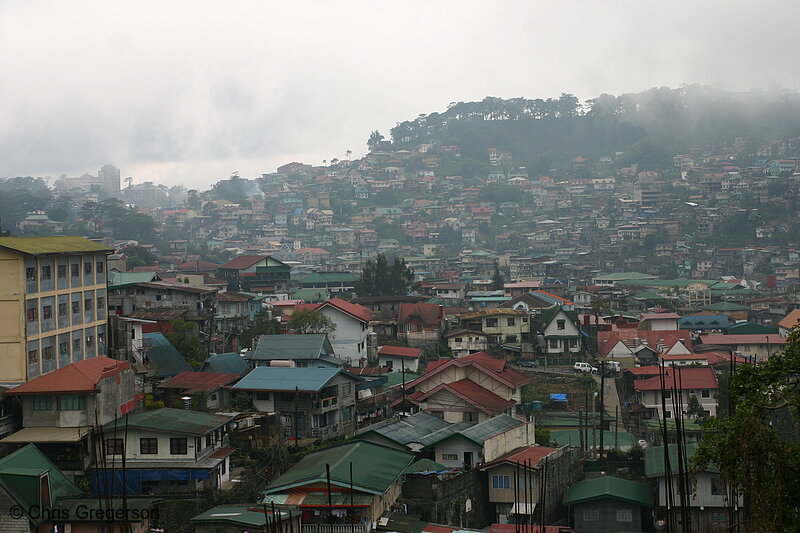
(188, 93)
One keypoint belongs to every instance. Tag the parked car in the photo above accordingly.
(526, 363)
(584, 367)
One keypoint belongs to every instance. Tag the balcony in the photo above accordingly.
(326, 432)
(325, 403)
(337, 528)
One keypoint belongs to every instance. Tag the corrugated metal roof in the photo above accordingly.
(411, 429)
(375, 468)
(164, 358)
(308, 346)
(47, 434)
(654, 458)
(226, 363)
(609, 487)
(269, 378)
(171, 420)
(52, 245)
(491, 427)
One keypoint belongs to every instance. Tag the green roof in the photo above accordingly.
(310, 296)
(409, 429)
(328, 277)
(609, 487)
(648, 295)
(654, 459)
(52, 245)
(171, 420)
(726, 306)
(164, 358)
(748, 328)
(226, 363)
(424, 465)
(667, 282)
(120, 279)
(573, 438)
(233, 514)
(396, 378)
(688, 424)
(624, 276)
(375, 468)
(309, 346)
(272, 378)
(568, 419)
(20, 474)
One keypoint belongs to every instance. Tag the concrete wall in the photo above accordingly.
(458, 446)
(350, 338)
(443, 500)
(503, 443)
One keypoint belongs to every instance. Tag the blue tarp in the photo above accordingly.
(558, 397)
(112, 482)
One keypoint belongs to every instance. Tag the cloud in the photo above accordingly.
(171, 91)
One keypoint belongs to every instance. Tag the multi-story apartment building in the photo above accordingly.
(52, 304)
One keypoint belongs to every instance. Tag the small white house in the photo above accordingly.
(399, 357)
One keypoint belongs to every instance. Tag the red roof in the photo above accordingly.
(524, 454)
(400, 351)
(355, 310)
(469, 391)
(82, 376)
(243, 261)
(685, 378)
(651, 370)
(198, 381)
(430, 314)
(660, 316)
(715, 358)
(771, 338)
(490, 366)
(609, 339)
(512, 528)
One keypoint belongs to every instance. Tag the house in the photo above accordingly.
(312, 402)
(710, 501)
(419, 322)
(561, 331)
(753, 347)
(53, 308)
(330, 283)
(256, 273)
(49, 501)
(373, 471)
(526, 467)
(207, 390)
(192, 303)
(451, 294)
(399, 357)
(59, 409)
(659, 321)
(637, 347)
(502, 326)
(470, 388)
(312, 350)
(682, 383)
(532, 302)
(609, 503)
(466, 341)
(165, 451)
(788, 323)
(350, 337)
(226, 363)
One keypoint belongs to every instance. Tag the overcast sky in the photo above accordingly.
(187, 92)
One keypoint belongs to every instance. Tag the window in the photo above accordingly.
(87, 305)
(47, 353)
(347, 413)
(33, 357)
(470, 416)
(61, 271)
(90, 342)
(624, 515)
(211, 439)
(30, 274)
(99, 268)
(148, 445)
(512, 339)
(73, 402)
(459, 339)
(491, 322)
(42, 403)
(76, 308)
(63, 348)
(511, 321)
(667, 414)
(47, 312)
(449, 457)
(705, 393)
(553, 344)
(76, 345)
(177, 446)
(667, 394)
(74, 270)
(591, 515)
(573, 343)
(101, 338)
(114, 446)
(346, 389)
(30, 314)
(301, 364)
(87, 268)
(62, 309)
(561, 324)
(47, 272)
(717, 486)
(501, 482)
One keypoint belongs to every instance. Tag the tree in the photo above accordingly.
(497, 278)
(756, 446)
(311, 321)
(262, 325)
(695, 410)
(379, 278)
(138, 256)
(185, 338)
(374, 140)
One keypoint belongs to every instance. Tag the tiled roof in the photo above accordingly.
(400, 351)
(198, 381)
(81, 376)
(683, 378)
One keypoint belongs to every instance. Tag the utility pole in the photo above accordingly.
(602, 402)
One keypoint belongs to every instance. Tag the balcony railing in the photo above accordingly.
(325, 432)
(325, 403)
(337, 528)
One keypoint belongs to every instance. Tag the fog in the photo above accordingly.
(187, 92)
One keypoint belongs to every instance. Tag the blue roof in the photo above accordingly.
(704, 322)
(271, 378)
(165, 360)
(226, 363)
